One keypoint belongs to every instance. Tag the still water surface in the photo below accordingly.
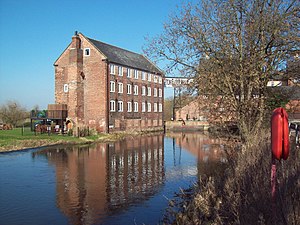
(126, 182)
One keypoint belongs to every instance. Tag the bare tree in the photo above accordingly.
(232, 49)
(13, 113)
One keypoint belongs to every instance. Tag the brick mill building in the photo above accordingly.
(107, 88)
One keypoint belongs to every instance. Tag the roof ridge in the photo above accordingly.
(115, 46)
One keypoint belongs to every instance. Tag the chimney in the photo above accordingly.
(76, 42)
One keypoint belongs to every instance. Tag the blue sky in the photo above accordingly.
(33, 33)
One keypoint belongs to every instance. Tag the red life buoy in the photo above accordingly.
(280, 134)
(285, 147)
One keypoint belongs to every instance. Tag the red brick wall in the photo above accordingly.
(95, 86)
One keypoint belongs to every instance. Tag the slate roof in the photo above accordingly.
(124, 57)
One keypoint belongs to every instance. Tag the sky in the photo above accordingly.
(33, 34)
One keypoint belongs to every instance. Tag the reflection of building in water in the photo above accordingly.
(135, 170)
(210, 152)
(92, 180)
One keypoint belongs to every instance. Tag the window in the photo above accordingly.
(66, 88)
(112, 106)
(143, 107)
(129, 89)
(129, 107)
(120, 71)
(160, 92)
(136, 74)
(143, 90)
(160, 107)
(128, 72)
(112, 69)
(120, 106)
(155, 92)
(136, 106)
(149, 107)
(136, 90)
(143, 76)
(160, 80)
(112, 86)
(149, 77)
(120, 87)
(155, 107)
(87, 52)
(149, 91)
(155, 79)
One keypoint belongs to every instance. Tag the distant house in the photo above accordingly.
(108, 88)
(200, 109)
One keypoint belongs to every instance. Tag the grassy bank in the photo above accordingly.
(242, 195)
(18, 139)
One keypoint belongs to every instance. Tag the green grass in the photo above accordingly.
(16, 139)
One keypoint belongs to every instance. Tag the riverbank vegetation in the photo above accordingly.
(242, 194)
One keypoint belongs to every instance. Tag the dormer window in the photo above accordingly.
(87, 52)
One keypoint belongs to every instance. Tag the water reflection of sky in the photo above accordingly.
(126, 182)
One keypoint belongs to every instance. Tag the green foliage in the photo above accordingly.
(277, 100)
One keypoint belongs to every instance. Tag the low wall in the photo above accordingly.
(187, 125)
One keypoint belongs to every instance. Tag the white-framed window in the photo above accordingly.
(144, 76)
(136, 106)
(112, 86)
(129, 87)
(120, 87)
(129, 106)
(149, 77)
(149, 106)
(120, 106)
(136, 90)
(128, 72)
(160, 92)
(112, 68)
(155, 92)
(120, 70)
(66, 88)
(160, 80)
(149, 91)
(155, 107)
(143, 91)
(87, 52)
(160, 107)
(155, 79)
(143, 107)
(136, 74)
(112, 105)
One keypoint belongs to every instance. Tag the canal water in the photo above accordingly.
(126, 182)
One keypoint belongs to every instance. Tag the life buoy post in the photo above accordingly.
(279, 146)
